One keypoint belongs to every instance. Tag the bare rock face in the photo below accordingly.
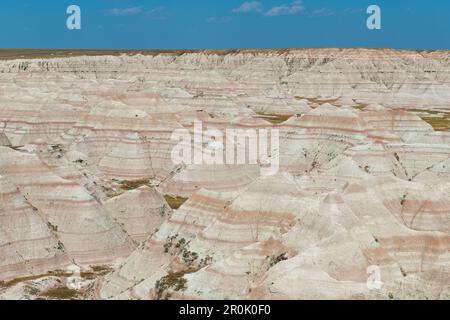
(362, 191)
(4, 140)
(28, 245)
(139, 212)
(86, 229)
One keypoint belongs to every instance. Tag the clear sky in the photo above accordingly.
(221, 24)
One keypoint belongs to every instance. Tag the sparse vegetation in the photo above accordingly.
(113, 193)
(334, 101)
(60, 293)
(174, 202)
(403, 199)
(172, 281)
(277, 259)
(88, 275)
(97, 271)
(439, 120)
(60, 246)
(52, 227)
(133, 184)
(438, 123)
(102, 269)
(318, 100)
(32, 290)
(360, 106)
(205, 261)
(15, 281)
(16, 148)
(189, 257)
(181, 243)
(163, 210)
(403, 272)
(180, 248)
(57, 147)
(169, 243)
(273, 117)
(125, 185)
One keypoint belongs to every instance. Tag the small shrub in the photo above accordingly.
(277, 259)
(181, 243)
(205, 261)
(169, 243)
(403, 200)
(403, 272)
(60, 246)
(52, 227)
(189, 257)
(396, 156)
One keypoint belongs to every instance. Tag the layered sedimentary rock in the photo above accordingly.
(27, 245)
(139, 212)
(86, 229)
(4, 140)
(87, 175)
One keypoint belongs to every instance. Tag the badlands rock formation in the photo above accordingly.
(363, 187)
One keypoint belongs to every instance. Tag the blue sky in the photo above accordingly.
(197, 24)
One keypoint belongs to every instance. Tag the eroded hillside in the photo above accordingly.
(87, 178)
